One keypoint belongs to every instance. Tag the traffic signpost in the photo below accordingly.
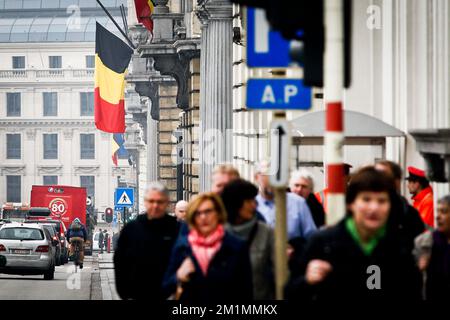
(266, 48)
(124, 199)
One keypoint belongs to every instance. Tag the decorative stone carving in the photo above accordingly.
(139, 34)
(31, 134)
(49, 169)
(176, 65)
(68, 134)
(86, 169)
(150, 89)
(14, 169)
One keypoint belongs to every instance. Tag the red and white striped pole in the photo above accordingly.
(334, 130)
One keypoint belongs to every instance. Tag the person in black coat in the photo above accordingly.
(144, 248)
(302, 184)
(433, 255)
(209, 264)
(407, 218)
(364, 256)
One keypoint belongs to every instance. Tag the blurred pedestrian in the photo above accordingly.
(422, 195)
(322, 196)
(144, 248)
(239, 200)
(105, 239)
(101, 238)
(433, 254)
(209, 264)
(302, 184)
(408, 218)
(222, 175)
(180, 210)
(299, 220)
(362, 257)
(115, 240)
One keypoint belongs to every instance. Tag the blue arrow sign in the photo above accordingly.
(124, 197)
(278, 94)
(265, 48)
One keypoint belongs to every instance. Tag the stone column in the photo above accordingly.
(216, 101)
(152, 146)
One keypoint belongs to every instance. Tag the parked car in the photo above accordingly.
(28, 249)
(95, 246)
(61, 228)
(56, 244)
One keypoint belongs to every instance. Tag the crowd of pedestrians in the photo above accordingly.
(219, 245)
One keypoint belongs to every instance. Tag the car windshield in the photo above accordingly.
(21, 234)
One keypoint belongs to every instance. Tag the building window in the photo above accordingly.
(50, 104)
(55, 62)
(87, 146)
(13, 104)
(50, 146)
(87, 103)
(50, 180)
(90, 62)
(13, 145)
(88, 182)
(13, 189)
(18, 62)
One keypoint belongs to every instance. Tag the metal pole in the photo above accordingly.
(116, 24)
(334, 135)
(281, 263)
(281, 268)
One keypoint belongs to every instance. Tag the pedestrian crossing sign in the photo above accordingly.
(124, 197)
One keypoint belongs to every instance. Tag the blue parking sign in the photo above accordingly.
(265, 48)
(278, 94)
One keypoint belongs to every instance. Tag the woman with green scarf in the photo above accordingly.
(365, 256)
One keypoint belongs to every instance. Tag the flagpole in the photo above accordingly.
(116, 24)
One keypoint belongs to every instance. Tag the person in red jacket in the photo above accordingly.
(422, 194)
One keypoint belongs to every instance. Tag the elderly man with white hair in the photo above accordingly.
(302, 184)
(144, 248)
(300, 224)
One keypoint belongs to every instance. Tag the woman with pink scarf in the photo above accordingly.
(209, 264)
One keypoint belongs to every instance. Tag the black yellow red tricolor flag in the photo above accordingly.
(144, 11)
(112, 57)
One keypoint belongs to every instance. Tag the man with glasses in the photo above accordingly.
(144, 248)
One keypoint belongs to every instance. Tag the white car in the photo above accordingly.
(95, 246)
(28, 250)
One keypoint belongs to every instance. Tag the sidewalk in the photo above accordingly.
(107, 279)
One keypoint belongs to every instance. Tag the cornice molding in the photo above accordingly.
(82, 169)
(16, 169)
(49, 169)
(45, 123)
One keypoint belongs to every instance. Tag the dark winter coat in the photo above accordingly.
(260, 239)
(229, 276)
(406, 220)
(76, 232)
(316, 208)
(400, 278)
(438, 271)
(142, 256)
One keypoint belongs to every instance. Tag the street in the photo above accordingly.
(90, 283)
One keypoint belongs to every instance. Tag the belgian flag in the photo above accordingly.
(112, 57)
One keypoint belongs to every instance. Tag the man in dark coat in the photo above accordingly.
(144, 248)
(302, 184)
(407, 218)
(433, 254)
